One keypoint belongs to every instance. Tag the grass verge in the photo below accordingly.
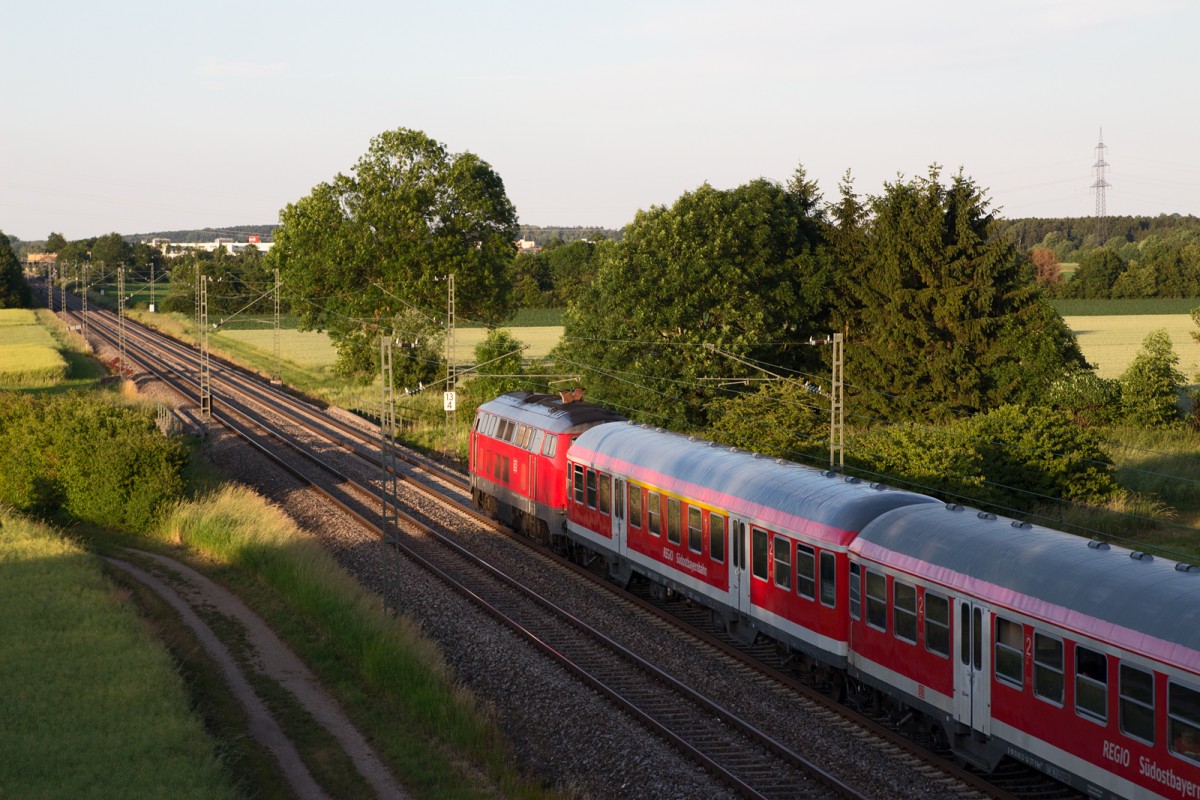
(392, 680)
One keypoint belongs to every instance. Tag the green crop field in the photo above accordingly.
(93, 707)
(305, 348)
(1111, 342)
(29, 355)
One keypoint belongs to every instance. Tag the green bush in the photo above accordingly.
(1150, 385)
(86, 458)
(1009, 458)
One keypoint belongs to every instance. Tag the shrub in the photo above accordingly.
(86, 458)
(1150, 385)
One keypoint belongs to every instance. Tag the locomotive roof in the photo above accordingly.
(779, 494)
(1146, 605)
(549, 412)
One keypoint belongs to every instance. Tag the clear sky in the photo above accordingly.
(142, 116)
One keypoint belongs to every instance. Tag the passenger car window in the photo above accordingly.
(1048, 668)
(591, 488)
(1183, 713)
(1137, 703)
(806, 572)
(695, 530)
(937, 623)
(828, 580)
(876, 600)
(674, 533)
(635, 506)
(578, 472)
(783, 563)
(1008, 652)
(604, 493)
(758, 554)
(716, 537)
(1091, 684)
(904, 611)
(654, 513)
(855, 591)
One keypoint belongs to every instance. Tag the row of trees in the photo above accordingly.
(1154, 267)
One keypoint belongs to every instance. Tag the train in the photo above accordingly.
(997, 637)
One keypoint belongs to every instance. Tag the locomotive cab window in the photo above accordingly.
(1137, 703)
(635, 505)
(1183, 715)
(1048, 668)
(695, 530)
(654, 513)
(904, 611)
(806, 572)
(1009, 667)
(716, 537)
(551, 445)
(876, 600)
(758, 554)
(1091, 684)
(783, 563)
(937, 624)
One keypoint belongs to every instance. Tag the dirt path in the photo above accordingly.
(190, 590)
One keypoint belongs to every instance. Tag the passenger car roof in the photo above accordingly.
(1146, 605)
(782, 495)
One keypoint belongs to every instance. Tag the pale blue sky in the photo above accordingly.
(142, 116)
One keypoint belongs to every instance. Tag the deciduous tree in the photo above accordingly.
(742, 271)
(1150, 385)
(365, 248)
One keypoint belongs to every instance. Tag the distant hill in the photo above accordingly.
(239, 233)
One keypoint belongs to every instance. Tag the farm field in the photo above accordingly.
(313, 350)
(126, 729)
(29, 355)
(1112, 341)
(1108, 341)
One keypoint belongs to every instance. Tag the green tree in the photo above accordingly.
(55, 242)
(111, 251)
(362, 249)
(499, 362)
(14, 291)
(741, 271)
(1150, 385)
(1098, 271)
(943, 319)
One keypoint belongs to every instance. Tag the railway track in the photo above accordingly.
(750, 759)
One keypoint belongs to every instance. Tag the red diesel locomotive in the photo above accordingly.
(1003, 638)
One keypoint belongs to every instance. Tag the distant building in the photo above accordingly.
(176, 249)
(528, 246)
(41, 258)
